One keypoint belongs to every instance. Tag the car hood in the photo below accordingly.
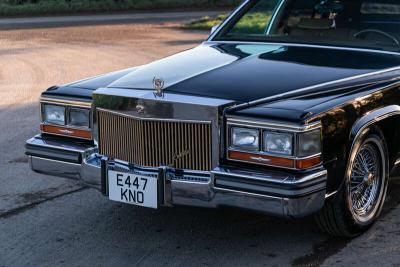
(247, 72)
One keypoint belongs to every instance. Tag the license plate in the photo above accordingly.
(133, 189)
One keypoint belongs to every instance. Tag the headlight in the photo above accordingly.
(245, 139)
(309, 143)
(79, 117)
(278, 143)
(53, 114)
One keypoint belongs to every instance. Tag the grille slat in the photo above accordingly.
(182, 145)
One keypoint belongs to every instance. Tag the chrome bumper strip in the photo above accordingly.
(271, 192)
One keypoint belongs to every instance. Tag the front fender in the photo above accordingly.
(370, 119)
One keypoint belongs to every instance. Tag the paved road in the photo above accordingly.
(50, 221)
(56, 21)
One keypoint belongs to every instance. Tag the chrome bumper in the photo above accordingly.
(276, 193)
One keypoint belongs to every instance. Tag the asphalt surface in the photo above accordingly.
(48, 221)
(56, 21)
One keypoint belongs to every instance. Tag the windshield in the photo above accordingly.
(373, 24)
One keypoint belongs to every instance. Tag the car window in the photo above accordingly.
(356, 23)
(256, 20)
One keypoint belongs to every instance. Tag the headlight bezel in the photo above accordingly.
(67, 129)
(293, 161)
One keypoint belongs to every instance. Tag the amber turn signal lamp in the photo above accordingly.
(262, 159)
(308, 163)
(66, 131)
(300, 164)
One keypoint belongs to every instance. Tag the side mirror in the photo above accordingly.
(214, 28)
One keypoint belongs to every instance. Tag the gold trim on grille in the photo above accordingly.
(154, 143)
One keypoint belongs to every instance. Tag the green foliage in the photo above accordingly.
(38, 7)
(205, 23)
(254, 23)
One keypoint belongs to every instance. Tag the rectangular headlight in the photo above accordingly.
(53, 114)
(245, 139)
(309, 143)
(78, 117)
(278, 143)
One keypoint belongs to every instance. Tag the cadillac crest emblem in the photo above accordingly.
(159, 86)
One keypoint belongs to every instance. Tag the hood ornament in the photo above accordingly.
(159, 86)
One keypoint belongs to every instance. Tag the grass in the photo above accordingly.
(254, 23)
(47, 7)
(205, 23)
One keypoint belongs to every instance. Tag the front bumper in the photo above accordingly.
(276, 193)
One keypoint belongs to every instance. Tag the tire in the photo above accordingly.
(359, 201)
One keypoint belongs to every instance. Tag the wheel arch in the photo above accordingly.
(384, 118)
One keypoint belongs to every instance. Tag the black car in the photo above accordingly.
(290, 108)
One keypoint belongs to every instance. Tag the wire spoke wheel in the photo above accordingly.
(365, 182)
(360, 199)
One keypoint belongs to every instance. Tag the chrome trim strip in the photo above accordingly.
(330, 194)
(276, 11)
(246, 193)
(190, 182)
(310, 157)
(307, 178)
(57, 161)
(305, 45)
(65, 102)
(168, 97)
(273, 125)
(151, 119)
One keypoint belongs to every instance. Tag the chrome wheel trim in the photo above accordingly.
(366, 181)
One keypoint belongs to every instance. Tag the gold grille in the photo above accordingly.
(151, 143)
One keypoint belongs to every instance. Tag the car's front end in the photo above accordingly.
(187, 146)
